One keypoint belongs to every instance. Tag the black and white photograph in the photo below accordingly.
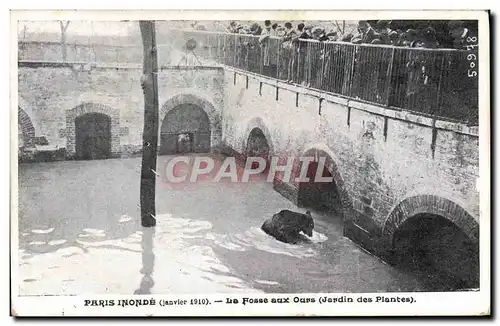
(332, 163)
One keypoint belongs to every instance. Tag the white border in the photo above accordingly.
(427, 303)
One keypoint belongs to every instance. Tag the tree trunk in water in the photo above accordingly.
(149, 83)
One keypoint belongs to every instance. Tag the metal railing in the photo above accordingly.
(439, 83)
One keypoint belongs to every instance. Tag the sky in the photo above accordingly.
(80, 27)
(103, 28)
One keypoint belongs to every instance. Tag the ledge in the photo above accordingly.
(392, 113)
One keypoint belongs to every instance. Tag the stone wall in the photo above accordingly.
(384, 162)
(54, 95)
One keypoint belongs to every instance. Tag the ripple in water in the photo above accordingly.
(46, 231)
(258, 239)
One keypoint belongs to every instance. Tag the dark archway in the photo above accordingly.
(93, 136)
(329, 197)
(258, 146)
(321, 196)
(185, 129)
(437, 248)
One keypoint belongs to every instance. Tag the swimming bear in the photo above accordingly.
(287, 225)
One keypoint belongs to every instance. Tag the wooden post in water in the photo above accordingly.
(149, 82)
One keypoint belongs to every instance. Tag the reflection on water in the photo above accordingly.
(80, 233)
(148, 261)
(164, 259)
(182, 255)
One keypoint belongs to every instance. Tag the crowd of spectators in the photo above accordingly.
(427, 34)
(418, 79)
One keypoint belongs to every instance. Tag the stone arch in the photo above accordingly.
(213, 114)
(27, 128)
(431, 234)
(430, 204)
(89, 107)
(257, 122)
(321, 150)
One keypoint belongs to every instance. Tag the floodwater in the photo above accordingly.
(79, 232)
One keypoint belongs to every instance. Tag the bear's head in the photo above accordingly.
(307, 224)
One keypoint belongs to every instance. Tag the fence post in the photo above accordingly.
(235, 50)
(261, 61)
(297, 73)
(438, 95)
(323, 60)
(278, 60)
(224, 48)
(309, 64)
(389, 78)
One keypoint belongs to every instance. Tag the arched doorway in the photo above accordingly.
(258, 146)
(321, 196)
(436, 247)
(185, 129)
(93, 136)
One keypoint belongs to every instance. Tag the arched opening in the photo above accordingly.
(93, 136)
(258, 146)
(185, 129)
(323, 196)
(437, 248)
(26, 130)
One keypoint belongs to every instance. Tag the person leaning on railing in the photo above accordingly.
(268, 59)
(301, 49)
(366, 34)
(316, 57)
(288, 52)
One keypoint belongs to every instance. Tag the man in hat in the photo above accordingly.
(394, 38)
(409, 38)
(232, 27)
(366, 34)
(332, 36)
(255, 29)
(463, 38)
(347, 37)
(288, 53)
(428, 39)
(383, 30)
(274, 28)
(269, 62)
(317, 58)
(318, 33)
(300, 49)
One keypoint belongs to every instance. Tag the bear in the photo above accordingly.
(287, 225)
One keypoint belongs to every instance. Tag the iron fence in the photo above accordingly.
(434, 82)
